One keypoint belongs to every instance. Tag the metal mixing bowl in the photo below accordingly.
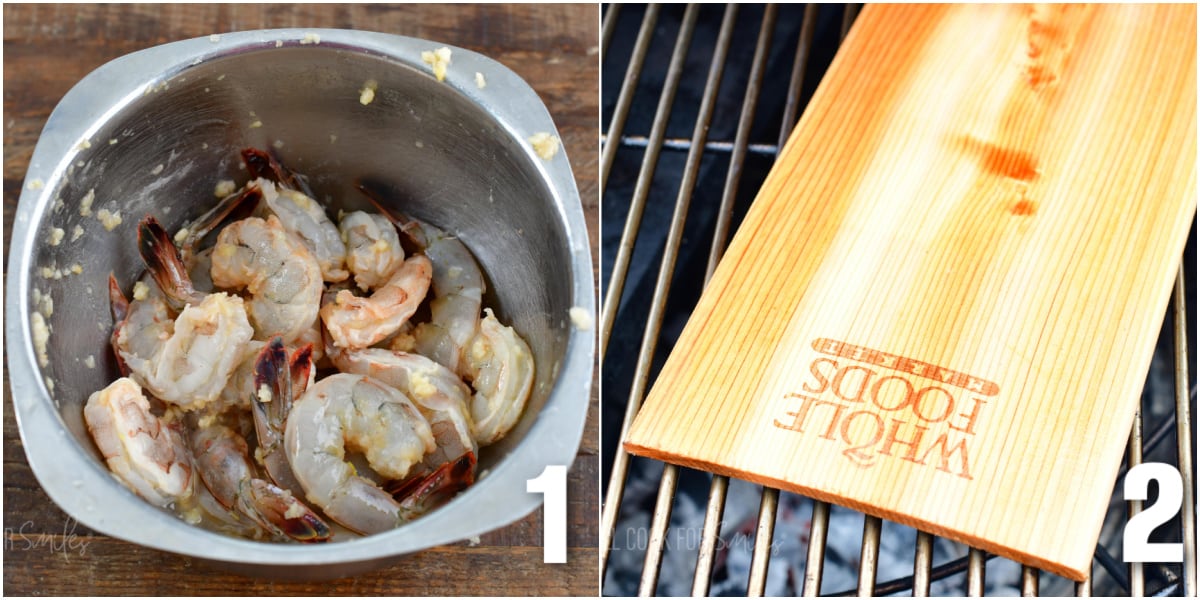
(153, 132)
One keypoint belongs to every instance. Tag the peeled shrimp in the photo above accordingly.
(457, 290)
(290, 199)
(303, 217)
(373, 249)
(148, 455)
(458, 295)
(342, 413)
(439, 394)
(500, 367)
(358, 322)
(281, 275)
(223, 464)
(187, 361)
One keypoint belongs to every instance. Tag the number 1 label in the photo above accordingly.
(1138, 547)
(552, 485)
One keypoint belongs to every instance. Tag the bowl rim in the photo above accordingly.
(73, 479)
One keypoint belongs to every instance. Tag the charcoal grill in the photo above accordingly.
(697, 101)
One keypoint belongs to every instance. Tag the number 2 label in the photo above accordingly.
(1137, 544)
(552, 485)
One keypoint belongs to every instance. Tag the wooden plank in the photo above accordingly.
(943, 304)
(50, 47)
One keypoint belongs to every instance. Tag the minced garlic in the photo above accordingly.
(438, 60)
(544, 144)
(56, 236)
(480, 82)
(295, 511)
(367, 94)
(310, 38)
(110, 220)
(224, 188)
(76, 233)
(140, 289)
(41, 335)
(157, 170)
(421, 386)
(37, 184)
(90, 362)
(264, 393)
(581, 318)
(181, 235)
(85, 205)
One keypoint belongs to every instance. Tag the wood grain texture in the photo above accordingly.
(943, 304)
(48, 48)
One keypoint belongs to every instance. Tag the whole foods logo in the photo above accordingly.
(879, 404)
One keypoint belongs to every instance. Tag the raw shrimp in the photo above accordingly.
(223, 464)
(306, 219)
(148, 455)
(457, 290)
(358, 322)
(439, 394)
(277, 380)
(281, 275)
(186, 361)
(302, 216)
(346, 413)
(373, 250)
(246, 198)
(500, 367)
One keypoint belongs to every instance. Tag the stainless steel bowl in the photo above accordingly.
(154, 131)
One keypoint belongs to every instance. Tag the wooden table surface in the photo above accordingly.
(48, 48)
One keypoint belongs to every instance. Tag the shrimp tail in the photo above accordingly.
(301, 368)
(419, 495)
(410, 229)
(119, 305)
(261, 164)
(165, 264)
(246, 198)
(274, 375)
(291, 516)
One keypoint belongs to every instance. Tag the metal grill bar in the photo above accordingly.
(1183, 432)
(924, 571)
(819, 532)
(799, 65)
(1137, 576)
(868, 563)
(717, 491)
(632, 75)
(666, 493)
(1029, 581)
(616, 486)
(762, 542)
(640, 141)
(609, 27)
(922, 564)
(658, 530)
(976, 568)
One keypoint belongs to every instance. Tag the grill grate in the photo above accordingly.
(698, 67)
